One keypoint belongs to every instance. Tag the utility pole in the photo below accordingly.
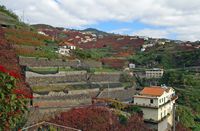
(174, 122)
(108, 90)
(23, 16)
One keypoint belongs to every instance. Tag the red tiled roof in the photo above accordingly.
(66, 44)
(153, 91)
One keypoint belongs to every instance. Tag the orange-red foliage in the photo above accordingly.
(25, 37)
(94, 118)
(9, 60)
(115, 63)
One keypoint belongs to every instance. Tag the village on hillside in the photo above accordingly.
(59, 79)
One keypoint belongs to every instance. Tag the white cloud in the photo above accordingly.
(120, 31)
(155, 33)
(178, 15)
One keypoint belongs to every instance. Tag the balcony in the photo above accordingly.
(153, 106)
(146, 105)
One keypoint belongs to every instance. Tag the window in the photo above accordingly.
(151, 101)
(132, 100)
(161, 114)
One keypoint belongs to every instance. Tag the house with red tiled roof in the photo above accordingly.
(67, 45)
(65, 48)
(157, 104)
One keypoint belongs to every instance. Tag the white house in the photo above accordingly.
(42, 33)
(131, 65)
(157, 104)
(65, 48)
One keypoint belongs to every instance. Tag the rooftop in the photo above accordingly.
(66, 44)
(153, 91)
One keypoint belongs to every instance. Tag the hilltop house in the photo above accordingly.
(157, 104)
(65, 48)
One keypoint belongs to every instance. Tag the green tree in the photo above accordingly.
(185, 115)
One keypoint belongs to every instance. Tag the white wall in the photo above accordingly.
(150, 113)
(64, 51)
(166, 97)
(146, 101)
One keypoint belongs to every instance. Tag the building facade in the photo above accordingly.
(157, 104)
(65, 48)
(154, 73)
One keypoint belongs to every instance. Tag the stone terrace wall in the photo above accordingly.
(110, 77)
(44, 62)
(69, 77)
(91, 64)
(36, 79)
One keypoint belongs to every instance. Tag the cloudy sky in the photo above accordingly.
(175, 19)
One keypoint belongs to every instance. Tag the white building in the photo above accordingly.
(143, 49)
(42, 33)
(65, 48)
(157, 104)
(131, 65)
(154, 73)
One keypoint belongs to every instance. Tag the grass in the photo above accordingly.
(58, 88)
(47, 88)
(104, 70)
(44, 69)
(66, 69)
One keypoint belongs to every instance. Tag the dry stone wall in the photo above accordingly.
(44, 62)
(69, 77)
(38, 79)
(110, 77)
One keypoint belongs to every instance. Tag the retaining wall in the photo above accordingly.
(44, 62)
(69, 77)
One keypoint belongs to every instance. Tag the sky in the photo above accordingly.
(173, 19)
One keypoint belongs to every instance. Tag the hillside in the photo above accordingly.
(95, 31)
(8, 18)
(180, 60)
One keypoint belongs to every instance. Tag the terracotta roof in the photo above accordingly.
(66, 44)
(152, 91)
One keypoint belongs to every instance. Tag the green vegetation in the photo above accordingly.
(8, 12)
(43, 70)
(49, 70)
(188, 90)
(187, 118)
(123, 119)
(186, 81)
(188, 58)
(167, 57)
(10, 19)
(31, 44)
(92, 53)
(133, 109)
(49, 88)
(13, 101)
(104, 70)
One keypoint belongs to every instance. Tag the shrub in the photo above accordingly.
(13, 100)
(123, 119)
(8, 12)
(186, 117)
(133, 109)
